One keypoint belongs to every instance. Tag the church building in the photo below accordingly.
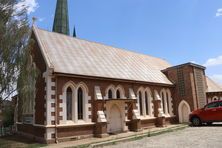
(87, 89)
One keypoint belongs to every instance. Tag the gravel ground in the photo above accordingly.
(191, 137)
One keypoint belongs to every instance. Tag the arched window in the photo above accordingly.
(147, 103)
(80, 104)
(118, 94)
(168, 105)
(110, 94)
(140, 103)
(215, 98)
(163, 102)
(69, 103)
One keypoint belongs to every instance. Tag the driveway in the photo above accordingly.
(191, 137)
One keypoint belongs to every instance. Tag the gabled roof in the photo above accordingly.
(213, 86)
(68, 55)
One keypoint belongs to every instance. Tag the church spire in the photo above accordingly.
(74, 32)
(61, 20)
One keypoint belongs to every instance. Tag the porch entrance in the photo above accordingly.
(115, 120)
(184, 111)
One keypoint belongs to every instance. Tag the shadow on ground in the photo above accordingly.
(212, 125)
(17, 141)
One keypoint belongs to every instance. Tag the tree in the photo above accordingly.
(8, 113)
(14, 41)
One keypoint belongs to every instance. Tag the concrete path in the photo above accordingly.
(191, 137)
(94, 142)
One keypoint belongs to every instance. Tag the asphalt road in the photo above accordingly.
(191, 137)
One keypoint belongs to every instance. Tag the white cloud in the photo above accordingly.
(194, 62)
(219, 12)
(217, 78)
(41, 19)
(30, 5)
(214, 61)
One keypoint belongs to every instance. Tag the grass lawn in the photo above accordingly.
(17, 141)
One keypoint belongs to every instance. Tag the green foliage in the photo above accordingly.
(17, 69)
(27, 80)
(14, 34)
(8, 115)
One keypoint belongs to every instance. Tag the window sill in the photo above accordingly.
(147, 117)
(169, 116)
(71, 124)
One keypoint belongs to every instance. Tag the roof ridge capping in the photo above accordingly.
(119, 48)
(185, 64)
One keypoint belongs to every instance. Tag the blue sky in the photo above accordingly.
(176, 30)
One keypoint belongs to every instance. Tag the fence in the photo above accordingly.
(5, 131)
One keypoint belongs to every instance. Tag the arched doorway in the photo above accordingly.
(183, 112)
(115, 120)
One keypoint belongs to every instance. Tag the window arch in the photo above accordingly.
(163, 102)
(110, 94)
(118, 94)
(75, 104)
(144, 102)
(140, 103)
(80, 104)
(69, 95)
(168, 105)
(166, 101)
(169, 102)
(215, 98)
(147, 103)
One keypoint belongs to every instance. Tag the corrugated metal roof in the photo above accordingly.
(213, 86)
(70, 55)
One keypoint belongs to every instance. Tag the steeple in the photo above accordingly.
(74, 32)
(61, 20)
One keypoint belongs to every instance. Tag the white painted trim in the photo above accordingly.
(150, 102)
(101, 117)
(132, 94)
(76, 124)
(147, 118)
(180, 109)
(48, 97)
(49, 132)
(167, 103)
(163, 97)
(112, 87)
(170, 102)
(215, 98)
(98, 94)
(114, 90)
(121, 90)
(141, 89)
(157, 97)
(86, 105)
